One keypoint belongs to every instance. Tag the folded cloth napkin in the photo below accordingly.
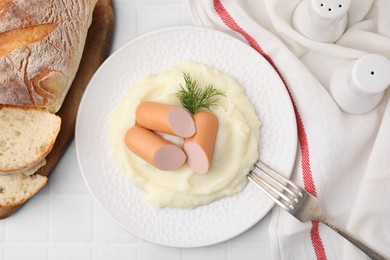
(343, 159)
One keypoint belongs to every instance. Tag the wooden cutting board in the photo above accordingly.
(97, 49)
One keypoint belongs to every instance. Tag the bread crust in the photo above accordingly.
(41, 50)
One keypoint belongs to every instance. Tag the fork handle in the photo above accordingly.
(368, 250)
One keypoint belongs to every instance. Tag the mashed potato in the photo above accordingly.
(236, 147)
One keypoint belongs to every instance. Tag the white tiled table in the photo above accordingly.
(64, 222)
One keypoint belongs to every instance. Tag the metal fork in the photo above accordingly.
(300, 203)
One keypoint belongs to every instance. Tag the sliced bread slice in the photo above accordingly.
(27, 135)
(15, 189)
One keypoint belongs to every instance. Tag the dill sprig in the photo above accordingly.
(194, 98)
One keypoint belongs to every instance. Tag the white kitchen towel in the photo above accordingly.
(343, 159)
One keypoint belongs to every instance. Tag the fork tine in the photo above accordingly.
(277, 183)
(277, 187)
(256, 179)
(260, 164)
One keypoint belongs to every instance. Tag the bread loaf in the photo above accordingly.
(41, 44)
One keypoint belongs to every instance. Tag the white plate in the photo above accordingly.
(153, 53)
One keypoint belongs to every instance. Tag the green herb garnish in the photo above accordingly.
(194, 98)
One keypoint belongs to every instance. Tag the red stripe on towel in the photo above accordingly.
(302, 138)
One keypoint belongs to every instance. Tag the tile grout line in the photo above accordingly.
(228, 252)
(184, 10)
(94, 227)
(50, 229)
(225, 249)
(138, 243)
(5, 238)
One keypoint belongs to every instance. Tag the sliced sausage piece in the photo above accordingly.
(165, 118)
(154, 149)
(199, 148)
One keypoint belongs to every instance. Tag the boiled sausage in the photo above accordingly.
(199, 148)
(154, 149)
(165, 118)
